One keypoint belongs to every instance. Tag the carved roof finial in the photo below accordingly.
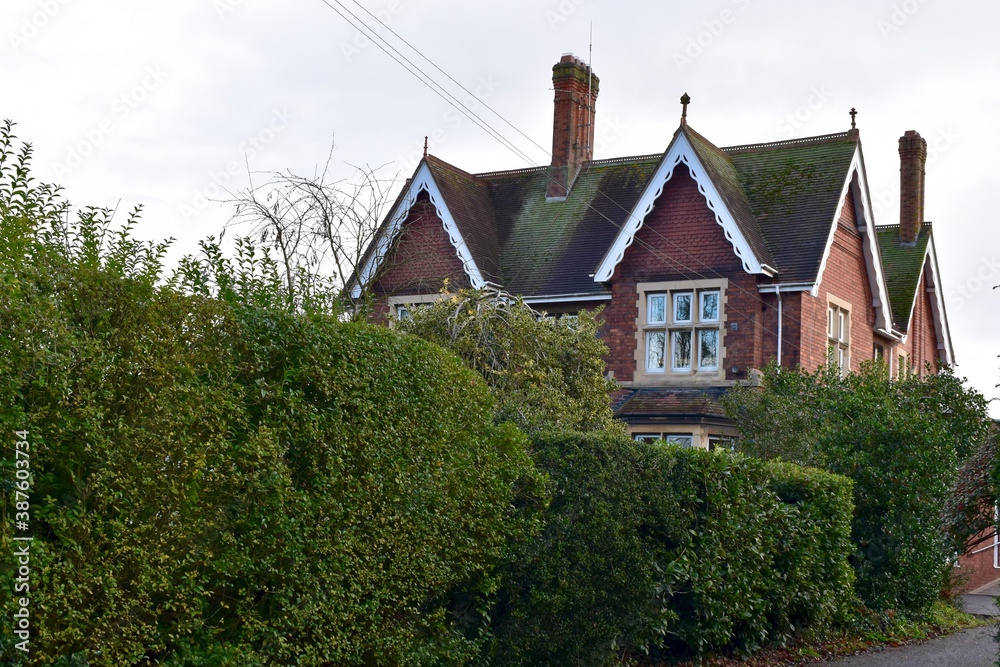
(853, 112)
(425, 145)
(685, 100)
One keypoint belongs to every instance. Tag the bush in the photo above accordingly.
(546, 373)
(671, 550)
(900, 441)
(224, 481)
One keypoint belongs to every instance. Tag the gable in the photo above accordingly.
(423, 259)
(680, 238)
(681, 152)
(422, 181)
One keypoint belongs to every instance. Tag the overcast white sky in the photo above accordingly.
(154, 103)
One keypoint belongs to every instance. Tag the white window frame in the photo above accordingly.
(651, 329)
(838, 334)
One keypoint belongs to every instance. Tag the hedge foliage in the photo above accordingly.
(901, 441)
(546, 373)
(222, 481)
(649, 547)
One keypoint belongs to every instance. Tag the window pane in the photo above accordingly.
(675, 439)
(710, 307)
(682, 350)
(656, 309)
(402, 312)
(829, 322)
(842, 334)
(708, 349)
(655, 350)
(646, 437)
(682, 307)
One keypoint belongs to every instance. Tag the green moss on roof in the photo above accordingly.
(902, 266)
(794, 189)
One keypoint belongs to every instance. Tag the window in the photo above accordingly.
(903, 370)
(683, 439)
(838, 333)
(680, 329)
(402, 313)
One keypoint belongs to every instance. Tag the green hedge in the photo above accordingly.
(672, 550)
(235, 486)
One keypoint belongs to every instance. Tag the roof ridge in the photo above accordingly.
(448, 165)
(895, 225)
(509, 172)
(804, 141)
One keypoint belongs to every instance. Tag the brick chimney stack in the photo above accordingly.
(573, 123)
(912, 159)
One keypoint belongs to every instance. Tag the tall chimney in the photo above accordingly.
(573, 123)
(912, 158)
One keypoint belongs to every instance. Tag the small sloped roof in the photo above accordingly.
(903, 265)
(794, 189)
(677, 401)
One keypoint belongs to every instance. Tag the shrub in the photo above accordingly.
(671, 550)
(900, 441)
(225, 481)
(546, 373)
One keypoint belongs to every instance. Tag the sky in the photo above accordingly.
(172, 105)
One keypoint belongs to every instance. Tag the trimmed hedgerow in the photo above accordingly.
(669, 550)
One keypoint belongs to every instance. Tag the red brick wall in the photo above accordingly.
(977, 570)
(681, 240)
(921, 341)
(846, 278)
(422, 258)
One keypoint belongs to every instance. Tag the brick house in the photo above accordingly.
(709, 262)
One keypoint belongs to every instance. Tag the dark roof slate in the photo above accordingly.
(794, 190)
(552, 247)
(470, 202)
(676, 402)
(903, 266)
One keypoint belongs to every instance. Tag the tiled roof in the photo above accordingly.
(783, 196)
(794, 189)
(675, 402)
(903, 266)
(471, 206)
(552, 247)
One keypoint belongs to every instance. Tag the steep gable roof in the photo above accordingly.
(717, 182)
